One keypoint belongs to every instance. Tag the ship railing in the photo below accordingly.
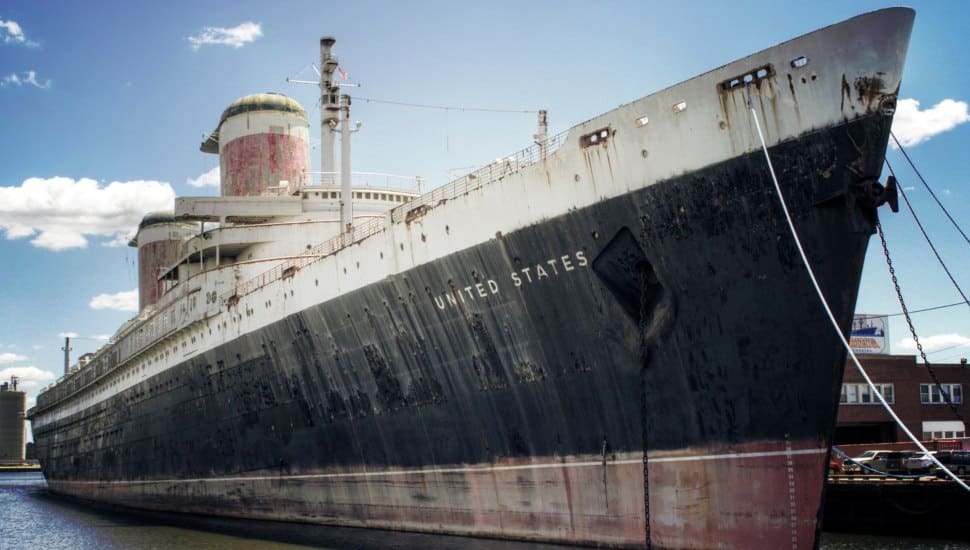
(490, 173)
(289, 266)
(370, 180)
(483, 176)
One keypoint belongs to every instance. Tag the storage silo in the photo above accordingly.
(158, 240)
(263, 146)
(13, 428)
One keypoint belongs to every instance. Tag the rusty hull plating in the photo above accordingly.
(608, 339)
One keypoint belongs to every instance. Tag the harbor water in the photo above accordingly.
(31, 518)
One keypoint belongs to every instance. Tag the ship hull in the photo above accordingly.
(654, 369)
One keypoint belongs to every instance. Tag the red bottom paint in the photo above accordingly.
(760, 495)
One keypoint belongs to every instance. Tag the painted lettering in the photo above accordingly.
(581, 258)
(516, 280)
(493, 286)
(552, 263)
(568, 265)
(541, 273)
(440, 302)
(481, 290)
(526, 271)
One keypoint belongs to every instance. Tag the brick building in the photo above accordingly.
(910, 390)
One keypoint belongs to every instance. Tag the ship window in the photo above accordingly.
(333, 194)
(383, 196)
(366, 195)
(799, 62)
(680, 107)
(642, 121)
(595, 138)
(747, 78)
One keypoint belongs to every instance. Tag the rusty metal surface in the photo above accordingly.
(440, 376)
(253, 164)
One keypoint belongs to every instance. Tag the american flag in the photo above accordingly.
(343, 73)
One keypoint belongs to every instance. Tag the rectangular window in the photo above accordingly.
(861, 394)
(930, 394)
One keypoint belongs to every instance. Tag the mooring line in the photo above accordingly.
(828, 310)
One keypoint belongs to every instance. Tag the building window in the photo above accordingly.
(943, 429)
(929, 394)
(860, 394)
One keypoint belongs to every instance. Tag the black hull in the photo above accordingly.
(676, 317)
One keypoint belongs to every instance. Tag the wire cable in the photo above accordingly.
(932, 194)
(934, 308)
(927, 237)
(825, 304)
(443, 107)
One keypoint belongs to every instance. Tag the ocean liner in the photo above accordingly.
(607, 338)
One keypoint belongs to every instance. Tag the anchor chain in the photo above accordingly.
(644, 353)
(912, 329)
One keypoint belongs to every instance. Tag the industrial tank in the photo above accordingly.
(158, 240)
(263, 146)
(13, 432)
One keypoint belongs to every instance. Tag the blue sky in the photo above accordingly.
(103, 106)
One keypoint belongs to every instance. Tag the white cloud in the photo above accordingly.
(935, 342)
(61, 213)
(28, 377)
(208, 179)
(121, 301)
(11, 358)
(26, 78)
(236, 36)
(912, 126)
(101, 337)
(11, 33)
(37, 346)
(67, 335)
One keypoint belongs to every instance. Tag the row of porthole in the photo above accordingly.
(365, 195)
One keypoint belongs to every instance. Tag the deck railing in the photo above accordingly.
(457, 187)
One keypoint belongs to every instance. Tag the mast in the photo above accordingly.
(542, 135)
(329, 109)
(346, 192)
(67, 354)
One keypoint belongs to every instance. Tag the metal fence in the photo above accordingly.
(291, 265)
(485, 175)
(370, 180)
(455, 188)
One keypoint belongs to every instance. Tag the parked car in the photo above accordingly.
(957, 462)
(875, 459)
(836, 464)
(920, 463)
(895, 461)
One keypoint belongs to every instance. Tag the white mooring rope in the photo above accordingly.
(828, 310)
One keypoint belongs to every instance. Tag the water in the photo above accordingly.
(32, 519)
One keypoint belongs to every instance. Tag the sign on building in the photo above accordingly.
(870, 334)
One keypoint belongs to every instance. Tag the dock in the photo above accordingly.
(916, 507)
